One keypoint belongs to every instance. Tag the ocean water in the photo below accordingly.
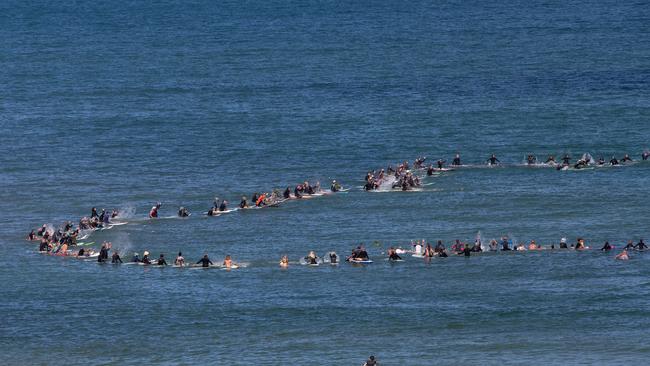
(123, 104)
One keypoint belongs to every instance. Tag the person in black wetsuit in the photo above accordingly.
(550, 159)
(606, 247)
(145, 258)
(205, 261)
(392, 255)
(626, 158)
(601, 161)
(629, 246)
(243, 203)
(441, 163)
(287, 193)
(430, 170)
(93, 213)
(183, 212)
(456, 161)
(440, 247)
(641, 245)
(563, 244)
(334, 258)
(645, 155)
(566, 159)
(613, 161)
(161, 260)
(103, 253)
(531, 159)
(466, 251)
(371, 362)
(81, 252)
(223, 206)
(297, 190)
(116, 258)
(443, 254)
(136, 258)
(492, 160)
(44, 246)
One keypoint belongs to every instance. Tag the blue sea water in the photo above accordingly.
(123, 104)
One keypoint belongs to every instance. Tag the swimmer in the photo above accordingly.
(153, 213)
(607, 247)
(179, 261)
(334, 258)
(566, 159)
(456, 161)
(205, 261)
(284, 261)
(115, 258)
(335, 187)
(183, 212)
(227, 262)
(623, 255)
(492, 160)
(223, 206)
(531, 159)
(641, 245)
(161, 260)
(145, 258)
(392, 255)
(311, 258)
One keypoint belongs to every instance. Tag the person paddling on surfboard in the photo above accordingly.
(645, 155)
(154, 211)
(607, 247)
(161, 260)
(641, 245)
(392, 255)
(183, 212)
(456, 161)
(335, 187)
(223, 206)
(205, 261)
(243, 203)
(145, 258)
(115, 259)
(492, 160)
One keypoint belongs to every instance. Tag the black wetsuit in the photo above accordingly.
(441, 163)
(287, 193)
(136, 259)
(162, 261)
(103, 255)
(334, 258)
(641, 245)
(456, 161)
(362, 255)
(532, 160)
(566, 160)
(394, 257)
(81, 252)
(563, 246)
(146, 260)
(183, 213)
(222, 206)
(466, 251)
(243, 204)
(430, 171)
(504, 246)
(116, 258)
(613, 162)
(296, 192)
(493, 160)
(44, 247)
(606, 246)
(442, 254)
(204, 262)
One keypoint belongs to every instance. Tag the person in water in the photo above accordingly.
(563, 244)
(641, 245)
(505, 246)
(443, 254)
(613, 161)
(550, 160)
(456, 160)
(103, 252)
(115, 258)
(287, 193)
(31, 236)
(629, 246)
(145, 258)
(136, 258)
(645, 155)
(223, 206)
(580, 245)
(441, 164)
(161, 260)
(440, 247)
(371, 361)
(93, 213)
(243, 203)
(179, 261)
(183, 212)
(566, 160)
(466, 251)
(311, 258)
(334, 258)
(622, 255)
(205, 261)
(607, 247)
(492, 160)
(430, 170)
(626, 158)
(601, 161)
(153, 213)
(392, 255)
(493, 245)
(335, 187)
(284, 261)
(531, 159)
(227, 262)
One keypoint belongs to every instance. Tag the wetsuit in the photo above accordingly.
(312, 260)
(442, 254)
(504, 246)
(146, 260)
(549, 160)
(641, 245)
(287, 193)
(136, 259)
(532, 160)
(645, 156)
(566, 160)
(467, 252)
(243, 204)
(563, 246)
(204, 262)
(430, 170)
(183, 213)
(116, 258)
(44, 247)
(362, 255)
(335, 187)
(93, 213)
(81, 252)
(606, 246)
(456, 161)
(613, 161)
(222, 206)
(394, 257)
(629, 246)
(441, 164)
(103, 255)
(296, 192)
(334, 258)
(162, 261)
(493, 160)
